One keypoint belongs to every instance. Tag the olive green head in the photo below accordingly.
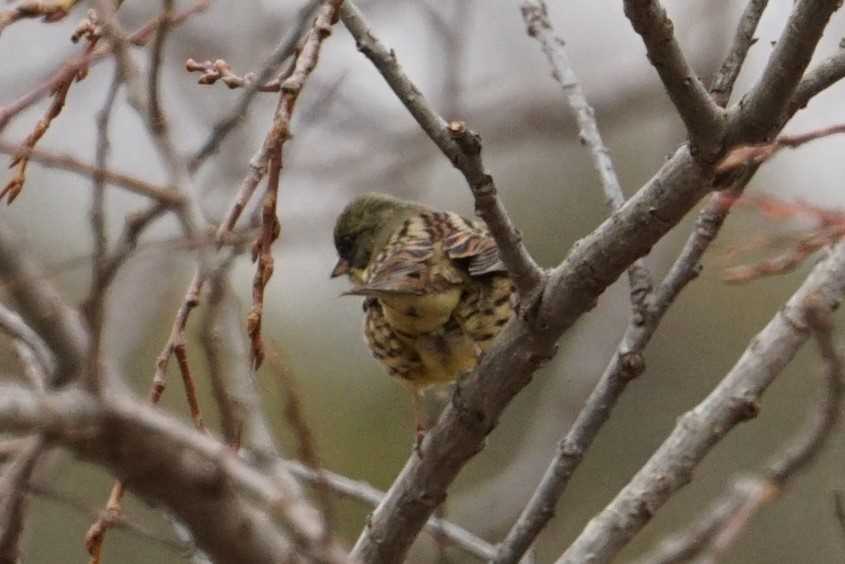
(364, 226)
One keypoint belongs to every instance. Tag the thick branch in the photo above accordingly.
(704, 120)
(167, 463)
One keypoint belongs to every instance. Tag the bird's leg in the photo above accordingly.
(420, 419)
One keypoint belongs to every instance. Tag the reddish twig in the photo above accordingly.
(220, 70)
(746, 155)
(20, 161)
(306, 61)
(77, 63)
(830, 228)
(48, 11)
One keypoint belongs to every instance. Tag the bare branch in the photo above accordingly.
(462, 146)
(282, 51)
(76, 64)
(704, 120)
(13, 498)
(723, 82)
(536, 18)
(781, 76)
(45, 311)
(367, 494)
(17, 329)
(720, 525)
(165, 195)
(48, 10)
(818, 79)
(280, 132)
(733, 401)
(168, 464)
(44, 491)
(745, 155)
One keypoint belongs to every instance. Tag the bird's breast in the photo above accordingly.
(412, 315)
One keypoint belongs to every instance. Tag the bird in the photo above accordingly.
(436, 293)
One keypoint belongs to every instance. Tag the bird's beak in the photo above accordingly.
(342, 267)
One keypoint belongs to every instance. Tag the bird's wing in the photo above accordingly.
(403, 266)
(471, 240)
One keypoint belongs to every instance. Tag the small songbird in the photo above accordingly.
(436, 292)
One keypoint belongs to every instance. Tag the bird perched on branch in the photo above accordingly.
(436, 292)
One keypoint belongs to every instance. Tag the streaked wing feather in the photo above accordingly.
(471, 240)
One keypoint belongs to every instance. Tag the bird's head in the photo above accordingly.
(363, 227)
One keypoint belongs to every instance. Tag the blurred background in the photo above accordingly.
(474, 62)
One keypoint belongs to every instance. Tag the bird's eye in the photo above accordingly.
(344, 245)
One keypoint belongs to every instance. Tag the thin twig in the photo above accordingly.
(725, 78)
(78, 63)
(48, 11)
(165, 195)
(211, 340)
(20, 161)
(212, 71)
(306, 61)
(95, 303)
(746, 155)
(226, 124)
(46, 492)
(365, 493)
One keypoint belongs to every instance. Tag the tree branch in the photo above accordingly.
(719, 526)
(165, 195)
(782, 74)
(536, 17)
(168, 464)
(704, 120)
(723, 82)
(818, 79)
(14, 498)
(733, 401)
(365, 493)
(42, 307)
